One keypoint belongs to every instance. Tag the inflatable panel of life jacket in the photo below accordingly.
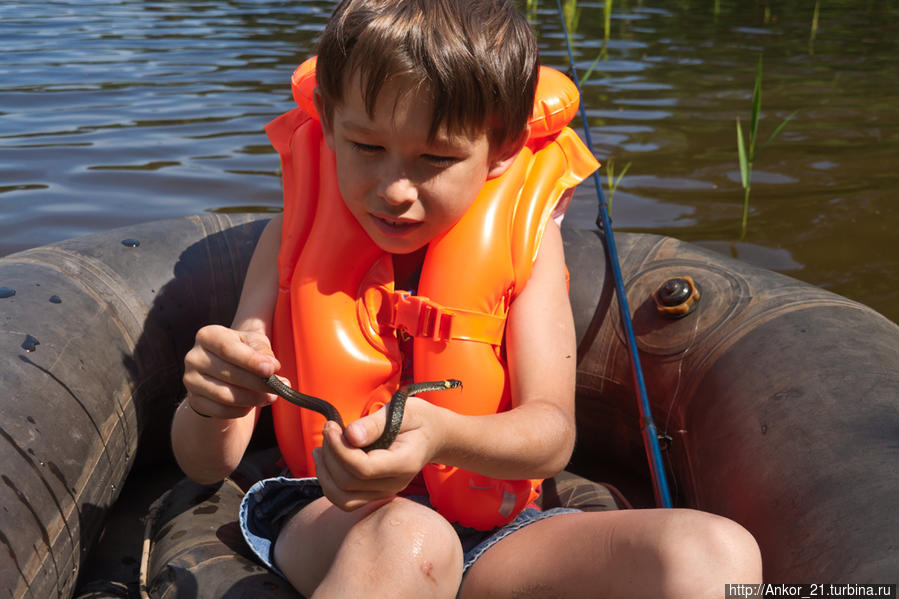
(337, 298)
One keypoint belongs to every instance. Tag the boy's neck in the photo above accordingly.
(407, 268)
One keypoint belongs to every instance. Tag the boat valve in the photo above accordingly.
(676, 297)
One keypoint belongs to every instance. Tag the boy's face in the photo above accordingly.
(402, 188)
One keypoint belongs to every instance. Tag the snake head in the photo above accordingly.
(452, 384)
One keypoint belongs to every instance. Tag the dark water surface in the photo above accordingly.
(113, 113)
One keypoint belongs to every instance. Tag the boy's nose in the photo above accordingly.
(398, 190)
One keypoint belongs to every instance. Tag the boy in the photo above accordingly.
(423, 105)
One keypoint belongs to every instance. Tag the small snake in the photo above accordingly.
(395, 408)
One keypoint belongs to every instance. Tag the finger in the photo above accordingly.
(201, 385)
(368, 429)
(365, 431)
(261, 344)
(343, 499)
(199, 360)
(248, 350)
(207, 408)
(349, 467)
(354, 470)
(345, 462)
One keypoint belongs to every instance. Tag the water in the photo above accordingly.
(113, 113)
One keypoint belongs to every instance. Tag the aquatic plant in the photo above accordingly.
(572, 13)
(530, 10)
(613, 181)
(813, 32)
(604, 50)
(747, 154)
(601, 56)
(607, 20)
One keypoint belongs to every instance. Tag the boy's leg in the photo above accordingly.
(393, 548)
(627, 554)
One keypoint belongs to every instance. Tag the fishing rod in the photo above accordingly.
(647, 425)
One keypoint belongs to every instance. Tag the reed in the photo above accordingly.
(813, 32)
(607, 20)
(572, 12)
(607, 33)
(747, 153)
(613, 181)
(530, 11)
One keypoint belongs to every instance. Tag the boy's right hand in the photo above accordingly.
(224, 372)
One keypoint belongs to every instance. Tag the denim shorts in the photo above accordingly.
(270, 503)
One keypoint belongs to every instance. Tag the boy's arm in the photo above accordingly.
(223, 374)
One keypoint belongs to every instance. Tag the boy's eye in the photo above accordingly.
(366, 148)
(440, 160)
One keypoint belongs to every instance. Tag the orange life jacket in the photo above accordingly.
(337, 311)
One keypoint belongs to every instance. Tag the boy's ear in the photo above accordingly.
(507, 154)
(319, 102)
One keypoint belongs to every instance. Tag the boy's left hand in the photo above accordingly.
(352, 478)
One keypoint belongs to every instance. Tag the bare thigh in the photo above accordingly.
(628, 553)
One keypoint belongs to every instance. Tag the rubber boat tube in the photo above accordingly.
(84, 379)
(778, 400)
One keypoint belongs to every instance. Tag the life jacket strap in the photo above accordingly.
(423, 317)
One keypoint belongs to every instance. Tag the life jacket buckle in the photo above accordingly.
(421, 317)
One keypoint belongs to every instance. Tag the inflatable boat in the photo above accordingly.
(776, 403)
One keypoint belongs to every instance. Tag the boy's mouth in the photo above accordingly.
(395, 226)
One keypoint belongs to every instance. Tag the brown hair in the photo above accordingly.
(477, 60)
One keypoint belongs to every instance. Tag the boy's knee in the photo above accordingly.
(736, 549)
(416, 534)
(709, 551)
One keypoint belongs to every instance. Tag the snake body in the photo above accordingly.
(395, 408)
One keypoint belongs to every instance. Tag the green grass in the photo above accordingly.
(607, 31)
(614, 181)
(813, 31)
(748, 153)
